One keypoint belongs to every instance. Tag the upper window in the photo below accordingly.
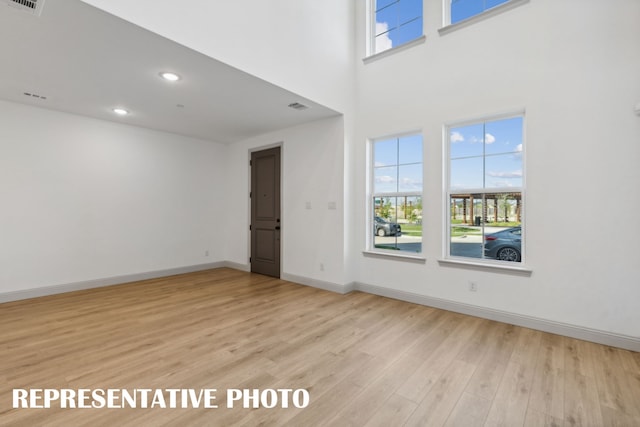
(396, 199)
(463, 9)
(468, 11)
(395, 23)
(485, 189)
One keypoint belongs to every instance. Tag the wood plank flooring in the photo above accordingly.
(365, 360)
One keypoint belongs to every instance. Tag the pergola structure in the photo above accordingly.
(468, 201)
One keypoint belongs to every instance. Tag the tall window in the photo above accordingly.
(485, 189)
(396, 22)
(396, 198)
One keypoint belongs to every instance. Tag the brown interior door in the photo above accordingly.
(265, 212)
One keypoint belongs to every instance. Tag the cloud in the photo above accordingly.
(410, 183)
(517, 153)
(382, 41)
(379, 164)
(456, 137)
(514, 174)
(502, 184)
(488, 139)
(385, 179)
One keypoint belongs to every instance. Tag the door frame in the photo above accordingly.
(250, 151)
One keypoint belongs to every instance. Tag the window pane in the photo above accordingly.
(466, 225)
(467, 173)
(382, 42)
(463, 9)
(384, 3)
(410, 219)
(412, 209)
(503, 237)
(398, 223)
(486, 226)
(385, 180)
(388, 15)
(503, 136)
(397, 22)
(409, 10)
(494, 3)
(410, 178)
(385, 225)
(410, 150)
(406, 32)
(466, 141)
(504, 170)
(385, 153)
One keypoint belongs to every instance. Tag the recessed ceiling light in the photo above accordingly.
(172, 77)
(120, 111)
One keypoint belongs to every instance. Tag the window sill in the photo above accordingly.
(505, 268)
(394, 50)
(481, 16)
(404, 256)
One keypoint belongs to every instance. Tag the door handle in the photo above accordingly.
(277, 227)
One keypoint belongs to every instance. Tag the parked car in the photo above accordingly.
(385, 228)
(504, 245)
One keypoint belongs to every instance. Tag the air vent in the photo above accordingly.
(33, 7)
(35, 95)
(298, 106)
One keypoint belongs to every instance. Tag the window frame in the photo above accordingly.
(371, 30)
(448, 192)
(371, 194)
(448, 27)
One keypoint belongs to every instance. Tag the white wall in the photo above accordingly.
(84, 199)
(574, 66)
(302, 46)
(87, 199)
(312, 171)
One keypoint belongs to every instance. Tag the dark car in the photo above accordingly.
(504, 245)
(385, 228)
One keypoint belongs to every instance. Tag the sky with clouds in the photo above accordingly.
(400, 21)
(398, 164)
(486, 155)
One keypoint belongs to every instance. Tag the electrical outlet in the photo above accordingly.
(473, 287)
(206, 253)
(321, 267)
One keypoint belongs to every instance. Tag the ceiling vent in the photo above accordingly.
(33, 7)
(298, 106)
(35, 96)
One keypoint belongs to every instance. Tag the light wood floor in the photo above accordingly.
(365, 360)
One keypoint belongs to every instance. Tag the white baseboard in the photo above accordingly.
(559, 328)
(587, 334)
(107, 281)
(237, 266)
(320, 284)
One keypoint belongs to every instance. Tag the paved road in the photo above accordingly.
(464, 246)
(470, 249)
(405, 243)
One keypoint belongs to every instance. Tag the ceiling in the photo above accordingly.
(86, 61)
